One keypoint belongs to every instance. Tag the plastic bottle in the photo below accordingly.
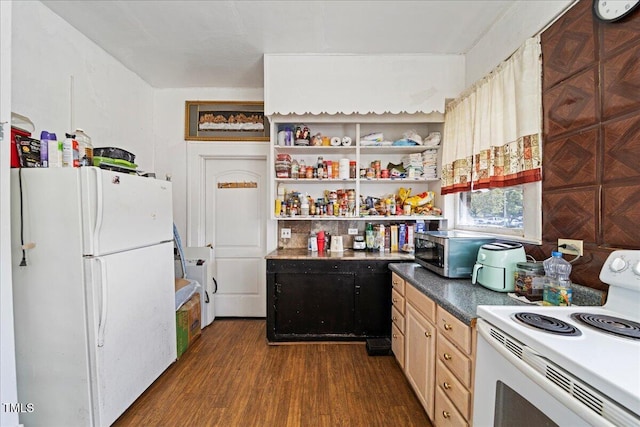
(557, 288)
(556, 267)
(44, 148)
(85, 148)
(70, 152)
(369, 236)
(304, 207)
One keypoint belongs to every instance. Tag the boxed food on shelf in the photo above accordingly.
(28, 151)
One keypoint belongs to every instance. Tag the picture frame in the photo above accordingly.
(225, 121)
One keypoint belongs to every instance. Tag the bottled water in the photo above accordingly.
(557, 288)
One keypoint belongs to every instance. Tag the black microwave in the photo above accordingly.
(448, 253)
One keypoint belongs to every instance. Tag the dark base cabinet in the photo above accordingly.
(324, 300)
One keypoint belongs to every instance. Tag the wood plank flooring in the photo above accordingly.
(231, 377)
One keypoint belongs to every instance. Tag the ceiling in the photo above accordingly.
(178, 44)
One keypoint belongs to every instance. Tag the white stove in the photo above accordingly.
(568, 368)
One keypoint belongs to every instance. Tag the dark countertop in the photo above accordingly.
(347, 255)
(458, 296)
(461, 298)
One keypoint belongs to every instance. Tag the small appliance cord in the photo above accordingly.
(23, 262)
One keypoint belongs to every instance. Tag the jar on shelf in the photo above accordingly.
(529, 280)
(353, 170)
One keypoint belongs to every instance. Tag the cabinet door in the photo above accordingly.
(314, 303)
(420, 345)
(373, 305)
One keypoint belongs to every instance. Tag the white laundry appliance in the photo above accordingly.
(93, 286)
(200, 266)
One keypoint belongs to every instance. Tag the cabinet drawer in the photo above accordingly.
(456, 361)
(445, 413)
(397, 344)
(397, 300)
(421, 302)
(397, 318)
(455, 330)
(453, 389)
(397, 283)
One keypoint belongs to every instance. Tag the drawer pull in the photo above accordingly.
(447, 327)
(395, 336)
(395, 300)
(445, 414)
(447, 356)
(395, 283)
(446, 385)
(427, 334)
(395, 318)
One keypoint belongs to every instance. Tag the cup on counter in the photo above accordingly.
(321, 240)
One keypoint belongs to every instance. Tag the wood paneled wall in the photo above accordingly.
(591, 125)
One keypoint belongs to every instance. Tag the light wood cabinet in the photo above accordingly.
(438, 354)
(398, 318)
(454, 370)
(420, 340)
(397, 344)
(446, 413)
(455, 330)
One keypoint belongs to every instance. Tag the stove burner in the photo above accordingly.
(613, 325)
(547, 324)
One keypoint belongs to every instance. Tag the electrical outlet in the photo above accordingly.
(285, 233)
(353, 232)
(570, 244)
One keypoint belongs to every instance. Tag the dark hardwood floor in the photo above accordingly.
(231, 377)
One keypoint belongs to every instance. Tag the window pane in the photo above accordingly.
(492, 209)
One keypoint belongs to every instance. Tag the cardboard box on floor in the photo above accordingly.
(188, 323)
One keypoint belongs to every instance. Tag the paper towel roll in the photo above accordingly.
(346, 141)
(335, 141)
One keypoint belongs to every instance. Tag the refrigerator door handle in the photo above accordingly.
(99, 209)
(103, 308)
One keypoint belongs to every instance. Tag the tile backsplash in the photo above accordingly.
(591, 141)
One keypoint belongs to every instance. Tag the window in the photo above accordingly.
(510, 212)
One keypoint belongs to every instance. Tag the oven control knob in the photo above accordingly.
(636, 268)
(617, 265)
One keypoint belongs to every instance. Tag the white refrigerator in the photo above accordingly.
(94, 304)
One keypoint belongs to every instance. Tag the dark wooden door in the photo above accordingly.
(373, 304)
(313, 303)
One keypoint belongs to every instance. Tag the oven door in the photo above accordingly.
(508, 392)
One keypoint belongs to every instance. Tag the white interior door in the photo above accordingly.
(236, 220)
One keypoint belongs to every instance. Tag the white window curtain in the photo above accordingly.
(492, 133)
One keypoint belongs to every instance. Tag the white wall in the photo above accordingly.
(170, 145)
(112, 104)
(523, 20)
(8, 385)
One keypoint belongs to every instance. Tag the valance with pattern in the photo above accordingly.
(492, 133)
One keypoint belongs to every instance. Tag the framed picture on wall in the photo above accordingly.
(225, 121)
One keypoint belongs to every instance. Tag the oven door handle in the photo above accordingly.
(533, 358)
